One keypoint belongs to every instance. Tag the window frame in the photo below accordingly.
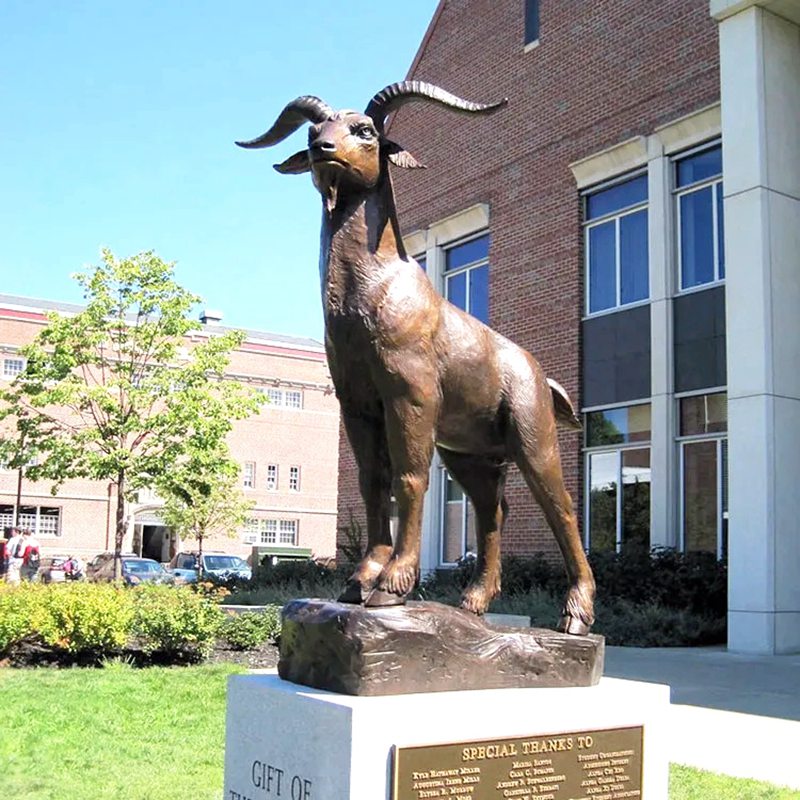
(680, 191)
(273, 469)
(294, 478)
(588, 224)
(467, 511)
(465, 269)
(7, 519)
(589, 451)
(10, 375)
(682, 440)
(249, 475)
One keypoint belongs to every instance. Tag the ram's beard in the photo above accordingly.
(327, 181)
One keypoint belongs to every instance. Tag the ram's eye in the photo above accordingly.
(365, 132)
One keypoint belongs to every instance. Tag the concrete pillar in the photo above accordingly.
(760, 90)
(662, 448)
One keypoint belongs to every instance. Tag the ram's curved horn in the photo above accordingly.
(398, 94)
(303, 109)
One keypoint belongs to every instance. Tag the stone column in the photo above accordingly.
(760, 89)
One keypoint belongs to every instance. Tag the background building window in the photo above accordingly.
(618, 518)
(466, 277)
(13, 367)
(294, 479)
(288, 531)
(272, 477)
(617, 263)
(284, 398)
(704, 473)
(40, 520)
(423, 262)
(458, 523)
(698, 189)
(249, 475)
(531, 21)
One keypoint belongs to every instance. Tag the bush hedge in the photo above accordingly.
(250, 629)
(100, 620)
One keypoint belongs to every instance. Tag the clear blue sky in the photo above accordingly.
(118, 123)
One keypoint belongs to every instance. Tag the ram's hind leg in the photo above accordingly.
(484, 481)
(540, 464)
(368, 440)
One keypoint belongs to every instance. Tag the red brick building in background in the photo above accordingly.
(588, 78)
(632, 218)
(287, 453)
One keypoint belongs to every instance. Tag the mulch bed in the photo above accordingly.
(34, 654)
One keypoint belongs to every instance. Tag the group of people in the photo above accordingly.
(19, 555)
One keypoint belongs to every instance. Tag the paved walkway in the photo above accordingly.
(731, 713)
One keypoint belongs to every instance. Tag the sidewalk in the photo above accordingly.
(731, 713)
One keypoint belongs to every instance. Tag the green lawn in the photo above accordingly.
(159, 734)
(154, 734)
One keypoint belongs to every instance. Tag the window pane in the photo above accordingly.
(700, 166)
(479, 293)
(634, 274)
(697, 238)
(453, 527)
(618, 425)
(467, 253)
(705, 413)
(720, 232)
(700, 496)
(615, 198)
(724, 450)
(603, 501)
(636, 497)
(602, 266)
(531, 21)
(423, 263)
(456, 290)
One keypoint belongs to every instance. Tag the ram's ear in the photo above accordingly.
(400, 157)
(295, 165)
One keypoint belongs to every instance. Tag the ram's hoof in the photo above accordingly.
(377, 598)
(354, 593)
(573, 626)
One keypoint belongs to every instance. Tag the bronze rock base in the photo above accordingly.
(426, 647)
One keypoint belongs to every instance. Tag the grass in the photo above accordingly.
(686, 783)
(119, 732)
(159, 734)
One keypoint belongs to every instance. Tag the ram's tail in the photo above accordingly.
(565, 413)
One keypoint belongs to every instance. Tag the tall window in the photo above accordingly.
(617, 265)
(294, 479)
(249, 475)
(531, 21)
(288, 531)
(272, 477)
(466, 276)
(698, 190)
(703, 447)
(618, 477)
(458, 523)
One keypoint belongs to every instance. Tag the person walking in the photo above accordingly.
(15, 549)
(8, 532)
(31, 556)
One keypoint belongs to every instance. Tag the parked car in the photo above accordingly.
(134, 569)
(52, 569)
(216, 565)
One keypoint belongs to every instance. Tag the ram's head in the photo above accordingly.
(348, 148)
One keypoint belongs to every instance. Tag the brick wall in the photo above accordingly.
(603, 72)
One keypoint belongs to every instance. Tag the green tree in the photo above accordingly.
(202, 496)
(118, 392)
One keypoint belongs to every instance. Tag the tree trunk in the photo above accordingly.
(119, 534)
(200, 569)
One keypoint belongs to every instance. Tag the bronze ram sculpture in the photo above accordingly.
(412, 371)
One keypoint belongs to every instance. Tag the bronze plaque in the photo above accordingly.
(587, 765)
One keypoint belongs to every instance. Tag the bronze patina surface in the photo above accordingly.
(413, 372)
(583, 765)
(425, 647)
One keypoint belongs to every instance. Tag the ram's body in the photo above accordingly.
(412, 371)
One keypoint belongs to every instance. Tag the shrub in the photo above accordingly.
(16, 614)
(250, 629)
(84, 617)
(175, 619)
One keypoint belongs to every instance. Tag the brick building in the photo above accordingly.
(590, 222)
(287, 454)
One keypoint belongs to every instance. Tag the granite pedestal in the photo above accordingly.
(288, 741)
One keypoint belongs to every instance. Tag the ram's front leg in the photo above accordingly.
(410, 433)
